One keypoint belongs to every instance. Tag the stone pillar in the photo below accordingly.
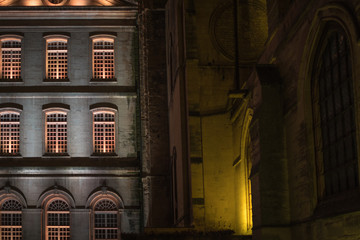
(269, 172)
(156, 178)
(80, 224)
(31, 222)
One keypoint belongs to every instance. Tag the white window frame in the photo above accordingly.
(14, 75)
(10, 130)
(57, 136)
(58, 69)
(103, 72)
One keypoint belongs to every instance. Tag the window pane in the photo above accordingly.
(104, 132)
(11, 221)
(57, 60)
(11, 59)
(9, 133)
(339, 153)
(106, 220)
(58, 221)
(56, 133)
(103, 59)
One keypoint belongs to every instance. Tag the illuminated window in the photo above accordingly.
(334, 117)
(106, 220)
(56, 132)
(56, 58)
(9, 132)
(104, 131)
(58, 220)
(103, 58)
(11, 59)
(10, 226)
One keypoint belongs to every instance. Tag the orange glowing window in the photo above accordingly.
(104, 132)
(58, 220)
(103, 58)
(106, 220)
(56, 132)
(11, 221)
(10, 59)
(9, 132)
(56, 58)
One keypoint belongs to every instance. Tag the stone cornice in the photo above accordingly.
(77, 13)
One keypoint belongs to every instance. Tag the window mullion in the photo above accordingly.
(11, 63)
(104, 135)
(57, 63)
(10, 137)
(57, 137)
(103, 64)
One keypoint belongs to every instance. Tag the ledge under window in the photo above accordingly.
(10, 155)
(10, 80)
(56, 80)
(103, 80)
(338, 204)
(56, 155)
(104, 155)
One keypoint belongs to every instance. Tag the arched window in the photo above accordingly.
(103, 58)
(106, 220)
(10, 58)
(57, 220)
(11, 221)
(56, 131)
(9, 132)
(104, 131)
(333, 115)
(56, 58)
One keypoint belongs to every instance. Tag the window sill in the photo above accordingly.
(51, 80)
(339, 204)
(104, 155)
(56, 155)
(97, 80)
(3, 155)
(15, 80)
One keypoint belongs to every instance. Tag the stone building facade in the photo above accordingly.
(70, 126)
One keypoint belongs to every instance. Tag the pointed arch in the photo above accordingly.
(332, 18)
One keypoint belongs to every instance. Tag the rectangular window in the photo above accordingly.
(104, 132)
(56, 133)
(103, 59)
(9, 133)
(11, 226)
(56, 59)
(106, 226)
(11, 59)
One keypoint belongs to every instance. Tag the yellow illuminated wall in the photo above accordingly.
(220, 146)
